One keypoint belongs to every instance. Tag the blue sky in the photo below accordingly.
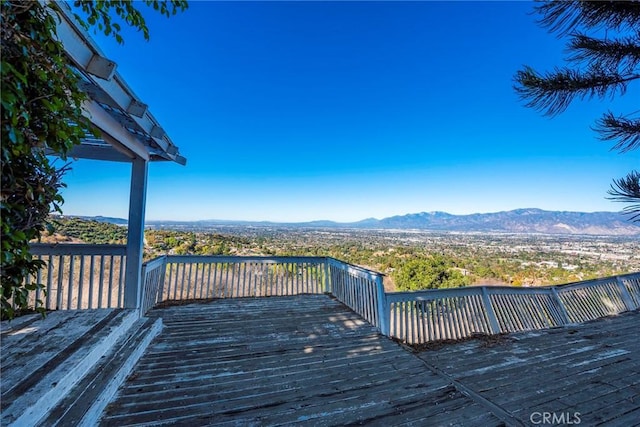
(295, 111)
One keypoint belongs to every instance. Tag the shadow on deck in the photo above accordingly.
(311, 360)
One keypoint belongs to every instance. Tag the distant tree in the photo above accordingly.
(601, 66)
(433, 272)
(42, 108)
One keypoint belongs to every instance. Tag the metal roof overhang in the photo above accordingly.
(127, 129)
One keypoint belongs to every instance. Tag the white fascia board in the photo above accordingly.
(110, 126)
(98, 152)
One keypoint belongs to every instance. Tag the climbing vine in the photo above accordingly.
(41, 115)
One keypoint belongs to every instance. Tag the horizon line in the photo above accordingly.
(335, 221)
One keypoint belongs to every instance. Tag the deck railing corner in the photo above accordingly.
(384, 312)
(626, 296)
(153, 275)
(491, 313)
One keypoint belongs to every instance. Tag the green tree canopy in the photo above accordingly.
(42, 109)
(604, 58)
(433, 272)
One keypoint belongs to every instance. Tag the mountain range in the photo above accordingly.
(514, 221)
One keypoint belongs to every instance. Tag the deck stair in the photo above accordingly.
(64, 369)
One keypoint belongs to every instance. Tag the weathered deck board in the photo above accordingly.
(278, 360)
(592, 369)
(44, 358)
(33, 346)
(27, 344)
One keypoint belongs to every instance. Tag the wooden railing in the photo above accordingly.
(592, 299)
(79, 276)
(202, 277)
(451, 314)
(153, 273)
(360, 289)
(632, 283)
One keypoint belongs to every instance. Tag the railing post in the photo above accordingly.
(563, 310)
(383, 307)
(163, 274)
(491, 314)
(144, 297)
(626, 296)
(327, 277)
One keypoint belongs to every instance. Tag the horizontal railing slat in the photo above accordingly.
(189, 259)
(77, 249)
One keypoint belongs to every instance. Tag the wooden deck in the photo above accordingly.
(309, 360)
(267, 361)
(588, 372)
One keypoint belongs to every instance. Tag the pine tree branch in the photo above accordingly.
(627, 190)
(552, 92)
(563, 17)
(606, 54)
(602, 67)
(623, 129)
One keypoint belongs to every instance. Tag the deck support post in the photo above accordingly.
(491, 314)
(135, 233)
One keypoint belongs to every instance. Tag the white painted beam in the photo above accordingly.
(97, 152)
(108, 125)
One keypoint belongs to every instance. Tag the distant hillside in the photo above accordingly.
(87, 230)
(515, 221)
(103, 219)
(106, 219)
